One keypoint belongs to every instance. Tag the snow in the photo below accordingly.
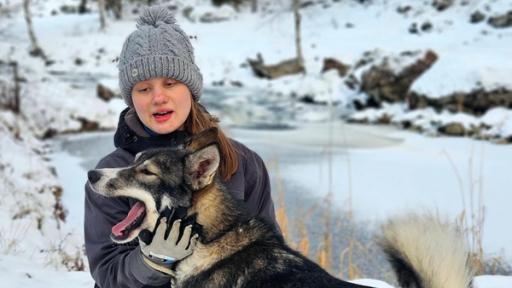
(38, 249)
(25, 272)
(372, 283)
(492, 282)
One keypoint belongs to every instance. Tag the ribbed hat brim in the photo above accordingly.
(154, 66)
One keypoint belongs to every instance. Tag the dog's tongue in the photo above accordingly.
(135, 212)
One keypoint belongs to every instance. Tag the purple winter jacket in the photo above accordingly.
(113, 265)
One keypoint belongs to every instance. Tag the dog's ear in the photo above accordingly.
(201, 166)
(201, 140)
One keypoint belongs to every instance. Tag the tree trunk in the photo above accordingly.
(10, 89)
(36, 50)
(117, 8)
(298, 46)
(101, 9)
(254, 6)
(16, 100)
(82, 8)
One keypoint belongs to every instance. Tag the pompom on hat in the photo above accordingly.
(158, 48)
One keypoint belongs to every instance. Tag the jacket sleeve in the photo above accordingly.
(258, 195)
(114, 265)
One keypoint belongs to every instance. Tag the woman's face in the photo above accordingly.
(162, 104)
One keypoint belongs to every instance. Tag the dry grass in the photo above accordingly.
(9, 239)
(58, 256)
(320, 247)
(472, 217)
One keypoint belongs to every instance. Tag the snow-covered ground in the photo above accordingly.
(35, 246)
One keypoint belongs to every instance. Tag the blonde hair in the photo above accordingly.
(200, 119)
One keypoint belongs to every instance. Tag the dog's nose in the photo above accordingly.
(93, 176)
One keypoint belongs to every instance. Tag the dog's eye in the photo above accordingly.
(145, 171)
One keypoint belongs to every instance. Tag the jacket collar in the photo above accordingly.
(131, 136)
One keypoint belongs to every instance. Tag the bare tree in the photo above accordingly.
(116, 6)
(82, 8)
(9, 95)
(254, 6)
(101, 9)
(298, 45)
(16, 79)
(36, 50)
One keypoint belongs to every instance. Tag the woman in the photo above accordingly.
(161, 85)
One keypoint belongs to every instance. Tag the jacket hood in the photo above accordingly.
(130, 135)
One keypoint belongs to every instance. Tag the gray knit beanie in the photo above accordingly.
(158, 48)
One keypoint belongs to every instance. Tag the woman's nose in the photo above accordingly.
(159, 96)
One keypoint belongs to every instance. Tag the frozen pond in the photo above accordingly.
(375, 171)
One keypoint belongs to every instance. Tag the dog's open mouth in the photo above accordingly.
(133, 220)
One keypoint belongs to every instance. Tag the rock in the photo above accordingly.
(384, 119)
(477, 17)
(48, 133)
(403, 9)
(283, 68)
(352, 82)
(68, 9)
(381, 83)
(79, 61)
(426, 26)
(104, 92)
(501, 21)
(442, 5)
(218, 83)
(476, 102)
(187, 13)
(453, 129)
(331, 63)
(88, 125)
(305, 4)
(236, 83)
(209, 17)
(413, 29)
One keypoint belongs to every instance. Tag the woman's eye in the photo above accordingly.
(143, 90)
(169, 83)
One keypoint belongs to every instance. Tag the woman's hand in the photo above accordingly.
(165, 252)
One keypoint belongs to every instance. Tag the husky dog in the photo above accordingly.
(234, 249)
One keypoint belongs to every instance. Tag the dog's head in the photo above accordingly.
(159, 179)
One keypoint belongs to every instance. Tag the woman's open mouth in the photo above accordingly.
(163, 116)
(121, 231)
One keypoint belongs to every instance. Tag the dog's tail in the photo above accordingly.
(426, 253)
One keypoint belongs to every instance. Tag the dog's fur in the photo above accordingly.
(236, 250)
(426, 252)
